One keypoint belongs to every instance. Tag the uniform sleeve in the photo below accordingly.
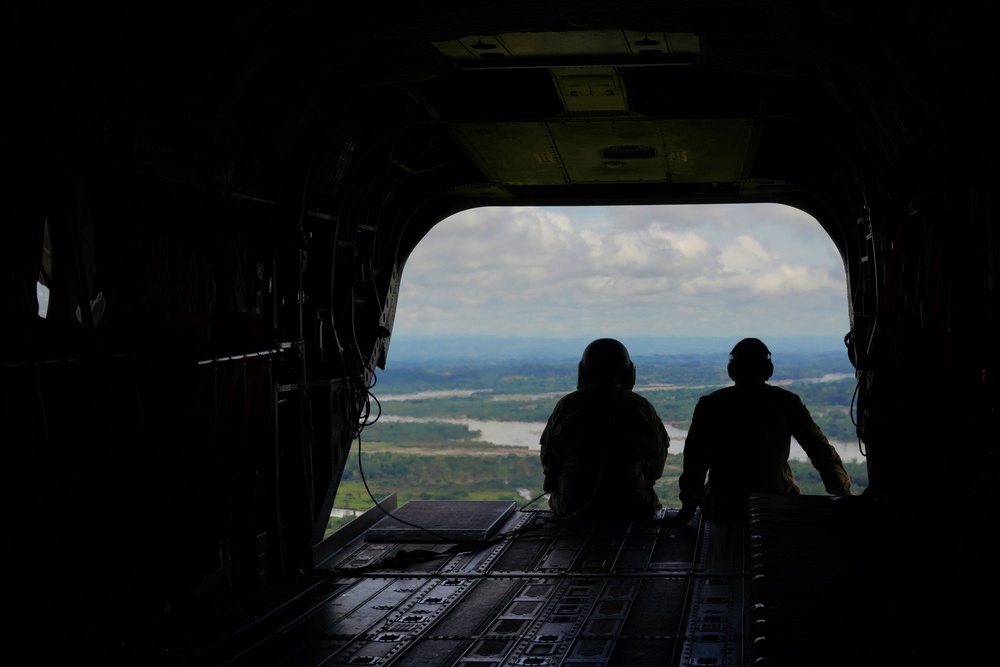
(546, 453)
(546, 443)
(549, 447)
(696, 459)
(660, 446)
(821, 453)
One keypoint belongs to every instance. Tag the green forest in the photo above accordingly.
(441, 460)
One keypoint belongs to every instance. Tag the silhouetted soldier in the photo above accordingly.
(741, 436)
(604, 446)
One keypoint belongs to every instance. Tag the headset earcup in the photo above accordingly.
(750, 359)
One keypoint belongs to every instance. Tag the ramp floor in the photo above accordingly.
(535, 591)
(804, 582)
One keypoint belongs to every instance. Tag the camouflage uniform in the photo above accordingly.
(602, 450)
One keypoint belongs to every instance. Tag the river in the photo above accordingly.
(527, 434)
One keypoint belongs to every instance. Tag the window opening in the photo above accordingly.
(534, 285)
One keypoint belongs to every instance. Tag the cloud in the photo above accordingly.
(744, 256)
(675, 270)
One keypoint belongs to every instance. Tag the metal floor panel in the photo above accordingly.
(420, 520)
(826, 585)
(541, 592)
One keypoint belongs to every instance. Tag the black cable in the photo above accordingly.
(521, 508)
(356, 368)
(855, 401)
(364, 480)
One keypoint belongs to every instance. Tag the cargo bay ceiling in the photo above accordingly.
(353, 130)
(469, 103)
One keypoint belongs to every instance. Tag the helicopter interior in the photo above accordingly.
(219, 203)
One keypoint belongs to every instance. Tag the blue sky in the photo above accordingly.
(720, 270)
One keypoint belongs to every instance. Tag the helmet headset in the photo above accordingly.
(605, 360)
(750, 360)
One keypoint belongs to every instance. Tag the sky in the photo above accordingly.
(707, 270)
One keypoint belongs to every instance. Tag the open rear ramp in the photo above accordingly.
(531, 591)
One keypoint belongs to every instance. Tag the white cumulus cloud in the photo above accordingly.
(674, 270)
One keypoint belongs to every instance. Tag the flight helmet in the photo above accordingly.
(606, 360)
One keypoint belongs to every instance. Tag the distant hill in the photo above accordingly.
(488, 349)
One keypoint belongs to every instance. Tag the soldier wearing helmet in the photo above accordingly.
(604, 446)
